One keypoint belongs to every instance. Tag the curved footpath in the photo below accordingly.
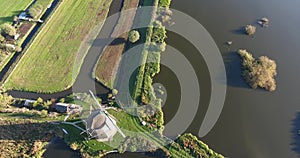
(84, 80)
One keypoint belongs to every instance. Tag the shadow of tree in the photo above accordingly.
(9, 19)
(295, 134)
(107, 41)
(233, 70)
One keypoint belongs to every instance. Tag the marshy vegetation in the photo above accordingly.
(258, 72)
(143, 92)
(24, 137)
(189, 145)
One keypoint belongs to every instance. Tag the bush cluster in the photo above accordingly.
(35, 11)
(7, 29)
(250, 30)
(144, 92)
(136, 144)
(159, 32)
(164, 3)
(133, 36)
(38, 8)
(258, 72)
(193, 147)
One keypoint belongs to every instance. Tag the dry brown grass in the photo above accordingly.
(109, 61)
(23, 137)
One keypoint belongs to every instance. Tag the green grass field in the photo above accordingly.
(11, 8)
(49, 64)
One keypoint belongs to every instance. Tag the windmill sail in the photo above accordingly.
(106, 115)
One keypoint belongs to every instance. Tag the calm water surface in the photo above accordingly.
(254, 123)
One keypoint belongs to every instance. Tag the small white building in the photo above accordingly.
(23, 16)
(67, 108)
(29, 103)
(144, 123)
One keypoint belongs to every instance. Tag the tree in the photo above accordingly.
(164, 3)
(159, 32)
(7, 29)
(47, 104)
(114, 92)
(134, 36)
(109, 95)
(16, 18)
(44, 113)
(62, 100)
(18, 49)
(40, 100)
(2, 39)
(5, 100)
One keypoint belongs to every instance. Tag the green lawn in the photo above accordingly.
(11, 8)
(49, 64)
(126, 122)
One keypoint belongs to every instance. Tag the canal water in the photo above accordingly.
(58, 148)
(253, 123)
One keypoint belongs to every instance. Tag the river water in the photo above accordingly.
(253, 123)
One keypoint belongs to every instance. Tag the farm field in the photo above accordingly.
(109, 61)
(11, 8)
(49, 64)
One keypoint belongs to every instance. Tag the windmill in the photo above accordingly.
(99, 124)
(108, 118)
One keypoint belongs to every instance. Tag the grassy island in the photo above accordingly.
(258, 72)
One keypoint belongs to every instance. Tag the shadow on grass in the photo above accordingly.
(10, 19)
(233, 70)
(295, 144)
